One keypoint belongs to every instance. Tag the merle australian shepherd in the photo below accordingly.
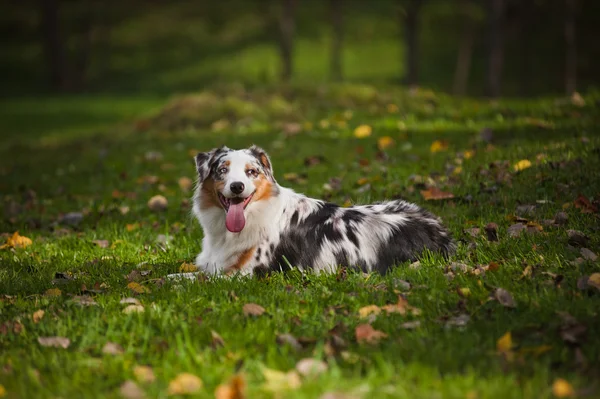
(253, 224)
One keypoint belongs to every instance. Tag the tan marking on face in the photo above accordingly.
(263, 188)
(242, 260)
(226, 163)
(208, 193)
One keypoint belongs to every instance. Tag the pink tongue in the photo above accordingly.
(235, 220)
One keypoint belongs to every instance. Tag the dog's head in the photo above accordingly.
(234, 180)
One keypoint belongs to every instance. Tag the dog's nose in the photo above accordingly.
(237, 187)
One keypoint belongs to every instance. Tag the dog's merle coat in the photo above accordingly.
(282, 229)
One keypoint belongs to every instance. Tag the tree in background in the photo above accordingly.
(287, 27)
(411, 10)
(469, 17)
(495, 46)
(336, 10)
(571, 47)
(52, 44)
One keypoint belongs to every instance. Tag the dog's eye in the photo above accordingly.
(252, 172)
(222, 171)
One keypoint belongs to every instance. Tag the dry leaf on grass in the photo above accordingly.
(522, 165)
(584, 205)
(158, 203)
(101, 243)
(138, 288)
(515, 230)
(439, 146)
(365, 311)
(38, 315)
(17, 241)
(290, 340)
(185, 184)
(144, 374)
(588, 255)
(434, 193)
(130, 390)
(365, 333)
(129, 301)
(110, 348)
(234, 389)
(133, 309)
(362, 131)
(188, 268)
(311, 367)
(562, 389)
(277, 381)
(594, 280)
(216, 339)
(55, 342)
(385, 142)
(252, 309)
(504, 344)
(185, 383)
(505, 298)
(53, 292)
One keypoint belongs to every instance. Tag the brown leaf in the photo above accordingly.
(577, 238)
(130, 390)
(144, 374)
(216, 339)
(158, 203)
(491, 230)
(561, 218)
(234, 389)
(101, 243)
(588, 255)
(38, 315)
(311, 367)
(505, 298)
(365, 333)
(185, 184)
(55, 342)
(290, 340)
(434, 193)
(188, 268)
(473, 231)
(515, 230)
(252, 309)
(401, 307)
(584, 205)
(84, 300)
(110, 348)
(184, 384)
(594, 280)
(138, 288)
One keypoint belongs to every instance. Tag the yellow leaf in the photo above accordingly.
(367, 310)
(185, 383)
(457, 170)
(464, 292)
(188, 268)
(17, 241)
(144, 374)
(434, 193)
(132, 226)
(562, 389)
(439, 145)
(392, 108)
(522, 165)
(235, 389)
(37, 316)
(505, 344)
(137, 288)
(2, 391)
(277, 381)
(362, 181)
(385, 142)
(468, 154)
(594, 280)
(363, 131)
(53, 292)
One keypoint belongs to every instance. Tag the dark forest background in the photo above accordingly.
(465, 47)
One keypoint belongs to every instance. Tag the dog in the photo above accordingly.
(252, 224)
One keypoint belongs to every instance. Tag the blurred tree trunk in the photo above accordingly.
(54, 51)
(465, 49)
(526, 21)
(411, 34)
(495, 46)
(336, 9)
(286, 38)
(83, 55)
(571, 50)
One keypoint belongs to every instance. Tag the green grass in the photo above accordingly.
(53, 171)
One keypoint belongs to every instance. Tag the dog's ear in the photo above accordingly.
(264, 160)
(205, 161)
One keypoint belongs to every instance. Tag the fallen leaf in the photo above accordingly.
(217, 341)
(185, 383)
(594, 280)
(504, 344)
(577, 99)
(38, 315)
(577, 238)
(588, 255)
(491, 230)
(515, 230)
(55, 342)
(473, 231)
(130, 390)
(584, 205)
(138, 288)
(110, 348)
(277, 381)
(17, 241)
(290, 340)
(252, 309)
(401, 307)
(562, 389)
(410, 325)
(505, 298)
(311, 367)
(101, 243)
(385, 142)
(561, 218)
(144, 374)
(132, 226)
(234, 389)
(2, 391)
(158, 203)
(133, 309)
(368, 310)
(434, 193)
(439, 146)
(362, 131)
(129, 301)
(185, 184)
(522, 165)
(53, 292)
(188, 268)
(458, 321)
(367, 334)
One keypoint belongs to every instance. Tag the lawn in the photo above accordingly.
(513, 314)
